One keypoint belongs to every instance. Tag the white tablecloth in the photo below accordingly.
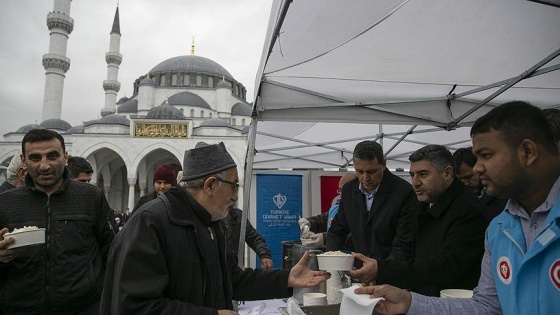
(271, 306)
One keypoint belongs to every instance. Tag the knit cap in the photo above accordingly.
(205, 160)
(166, 173)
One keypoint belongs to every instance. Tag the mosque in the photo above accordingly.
(181, 101)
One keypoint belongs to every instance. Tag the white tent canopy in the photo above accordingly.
(334, 73)
(331, 69)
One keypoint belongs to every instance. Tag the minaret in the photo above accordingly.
(113, 59)
(56, 63)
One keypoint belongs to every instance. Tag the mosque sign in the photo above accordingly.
(161, 130)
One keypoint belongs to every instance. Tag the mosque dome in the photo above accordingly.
(76, 129)
(55, 124)
(131, 106)
(26, 128)
(111, 119)
(191, 63)
(215, 122)
(223, 84)
(147, 81)
(122, 100)
(188, 99)
(240, 109)
(165, 111)
(114, 119)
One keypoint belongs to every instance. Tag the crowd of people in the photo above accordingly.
(482, 218)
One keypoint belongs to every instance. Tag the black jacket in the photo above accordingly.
(171, 259)
(144, 199)
(447, 242)
(382, 231)
(65, 275)
(231, 226)
(6, 186)
(494, 205)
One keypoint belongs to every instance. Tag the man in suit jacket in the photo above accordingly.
(447, 230)
(375, 208)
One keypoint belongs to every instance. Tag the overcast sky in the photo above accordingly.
(229, 32)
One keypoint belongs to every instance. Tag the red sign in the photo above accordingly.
(329, 186)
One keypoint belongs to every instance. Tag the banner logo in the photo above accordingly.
(279, 200)
(504, 270)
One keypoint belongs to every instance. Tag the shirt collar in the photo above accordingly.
(364, 191)
(515, 208)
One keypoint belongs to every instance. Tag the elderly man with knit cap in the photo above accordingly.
(164, 178)
(172, 258)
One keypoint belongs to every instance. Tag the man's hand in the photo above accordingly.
(266, 263)
(302, 277)
(303, 222)
(397, 301)
(316, 239)
(226, 312)
(6, 255)
(368, 272)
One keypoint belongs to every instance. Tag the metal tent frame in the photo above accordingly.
(290, 91)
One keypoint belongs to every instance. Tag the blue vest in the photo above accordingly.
(332, 212)
(527, 281)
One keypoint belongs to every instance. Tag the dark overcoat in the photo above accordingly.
(447, 242)
(164, 262)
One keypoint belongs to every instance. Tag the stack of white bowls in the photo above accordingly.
(310, 299)
(334, 284)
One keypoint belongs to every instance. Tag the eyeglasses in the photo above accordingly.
(235, 185)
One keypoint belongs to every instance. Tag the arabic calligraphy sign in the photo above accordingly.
(161, 130)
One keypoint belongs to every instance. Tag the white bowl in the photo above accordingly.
(335, 262)
(456, 294)
(25, 238)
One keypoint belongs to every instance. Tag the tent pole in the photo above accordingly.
(401, 139)
(511, 83)
(500, 83)
(381, 135)
(250, 156)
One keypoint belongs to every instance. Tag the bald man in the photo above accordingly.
(320, 223)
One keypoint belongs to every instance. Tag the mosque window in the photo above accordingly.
(182, 111)
(186, 80)
(192, 112)
(198, 80)
(201, 113)
(174, 79)
(162, 80)
(236, 90)
(233, 121)
(243, 122)
(210, 115)
(210, 82)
